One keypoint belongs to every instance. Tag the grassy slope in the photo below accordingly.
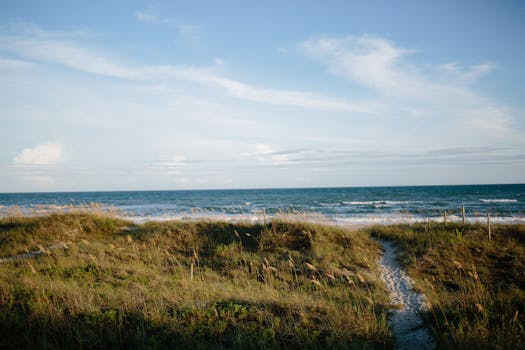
(114, 284)
(476, 286)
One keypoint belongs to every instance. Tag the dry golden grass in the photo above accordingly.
(476, 286)
(105, 282)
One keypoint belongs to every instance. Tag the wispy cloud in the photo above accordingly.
(288, 97)
(150, 17)
(371, 61)
(465, 74)
(456, 151)
(339, 159)
(41, 47)
(265, 154)
(249, 92)
(9, 63)
(381, 65)
(188, 31)
(45, 48)
(442, 91)
(171, 166)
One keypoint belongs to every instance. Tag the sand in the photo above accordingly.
(405, 322)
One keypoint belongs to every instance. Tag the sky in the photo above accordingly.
(168, 95)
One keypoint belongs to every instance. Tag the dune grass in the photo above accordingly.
(476, 286)
(103, 282)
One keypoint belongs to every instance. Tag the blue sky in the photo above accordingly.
(132, 95)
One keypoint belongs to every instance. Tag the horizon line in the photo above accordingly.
(260, 188)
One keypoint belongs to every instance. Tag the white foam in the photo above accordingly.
(370, 219)
(380, 202)
(503, 200)
(365, 203)
(195, 217)
(393, 219)
(257, 216)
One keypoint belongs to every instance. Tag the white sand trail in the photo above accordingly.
(405, 322)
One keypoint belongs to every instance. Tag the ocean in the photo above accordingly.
(359, 205)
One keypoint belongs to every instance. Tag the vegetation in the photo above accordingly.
(103, 282)
(476, 286)
(91, 280)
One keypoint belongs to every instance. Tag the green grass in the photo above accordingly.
(109, 283)
(476, 287)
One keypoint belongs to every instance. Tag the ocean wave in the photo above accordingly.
(410, 219)
(365, 203)
(356, 220)
(316, 217)
(502, 200)
(234, 218)
(375, 202)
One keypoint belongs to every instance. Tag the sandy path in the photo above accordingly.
(407, 326)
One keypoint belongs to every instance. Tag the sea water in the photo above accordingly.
(351, 205)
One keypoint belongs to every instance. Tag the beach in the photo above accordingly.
(91, 279)
(341, 206)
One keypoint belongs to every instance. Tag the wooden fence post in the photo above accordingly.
(463, 213)
(445, 217)
(488, 226)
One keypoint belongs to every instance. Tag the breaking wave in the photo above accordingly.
(503, 200)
